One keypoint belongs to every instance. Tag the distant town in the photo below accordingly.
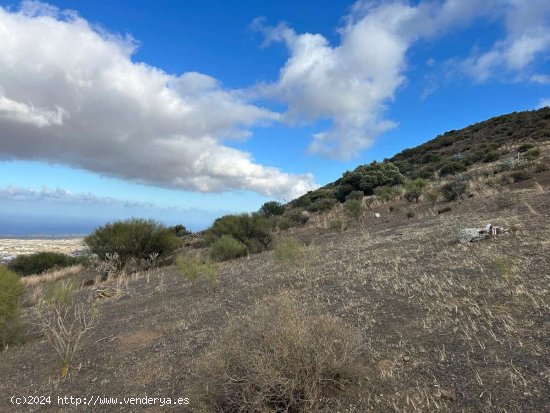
(12, 247)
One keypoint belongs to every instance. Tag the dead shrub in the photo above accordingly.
(278, 358)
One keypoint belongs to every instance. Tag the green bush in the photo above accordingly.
(11, 291)
(353, 209)
(355, 195)
(532, 153)
(414, 189)
(253, 230)
(455, 189)
(522, 175)
(342, 191)
(284, 223)
(134, 238)
(321, 204)
(272, 208)
(452, 168)
(491, 157)
(38, 263)
(524, 147)
(192, 268)
(367, 177)
(387, 193)
(227, 248)
(180, 230)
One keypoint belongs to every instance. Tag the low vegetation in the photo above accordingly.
(135, 238)
(227, 248)
(11, 291)
(25, 265)
(194, 268)
(252, 230)
(288, 250)
(279, 358)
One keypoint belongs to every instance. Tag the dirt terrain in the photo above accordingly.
(447, 327)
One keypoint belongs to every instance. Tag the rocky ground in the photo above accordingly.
(447, 327)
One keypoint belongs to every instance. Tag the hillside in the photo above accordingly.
(405, 317)
(464, 151)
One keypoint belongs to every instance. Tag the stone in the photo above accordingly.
(471, 235)
(377, 215)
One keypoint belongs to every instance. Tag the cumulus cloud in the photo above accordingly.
(59, 195)
(544, 103)
(527, 24)
(71, 94)
(351, 83)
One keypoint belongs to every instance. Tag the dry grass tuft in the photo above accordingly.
(51, 276)
(278, 358)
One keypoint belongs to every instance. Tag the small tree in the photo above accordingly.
(272, 208)
(134, 238)
(414, 189)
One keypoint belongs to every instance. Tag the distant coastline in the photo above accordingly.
(43, 236)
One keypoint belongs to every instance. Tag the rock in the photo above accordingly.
(471, 235)
(443, 210)
(377, 215)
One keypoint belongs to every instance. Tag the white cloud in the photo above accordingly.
(71, 94)
(543, 103)
(527, 24)
(351, 83)
(59, 195)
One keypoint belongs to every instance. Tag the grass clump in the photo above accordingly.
(504, 267)
(193, 268)
(11, 291)
(353, 209)
(135, 238)
(42, 261)
(278, 358)
(227, 248)
(455, 189)
(288, 250)
(60, 293)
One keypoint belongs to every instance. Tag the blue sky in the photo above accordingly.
(184, 111)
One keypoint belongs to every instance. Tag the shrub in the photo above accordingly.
(278, 358)
(253, 230)
(532, 153)
(431, 196)
(134, 238)
(367, 177)
(272, 208)
(336, 225)
(180, 230)
(38, 263)
(454, 189)
(355, 195)
(521, 175)
(288, 250)
(540, 167)
(11, 291)
(452, 168)
(192, 268)
(284, 223)
(297, 216)
(342, 192)
(353, 209)
(227, 248)
(322, 204)
(387, 193)
(60, 293)
(414, 189)
(524, 147)
(491, 157)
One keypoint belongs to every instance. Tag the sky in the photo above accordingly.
(186, 111)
